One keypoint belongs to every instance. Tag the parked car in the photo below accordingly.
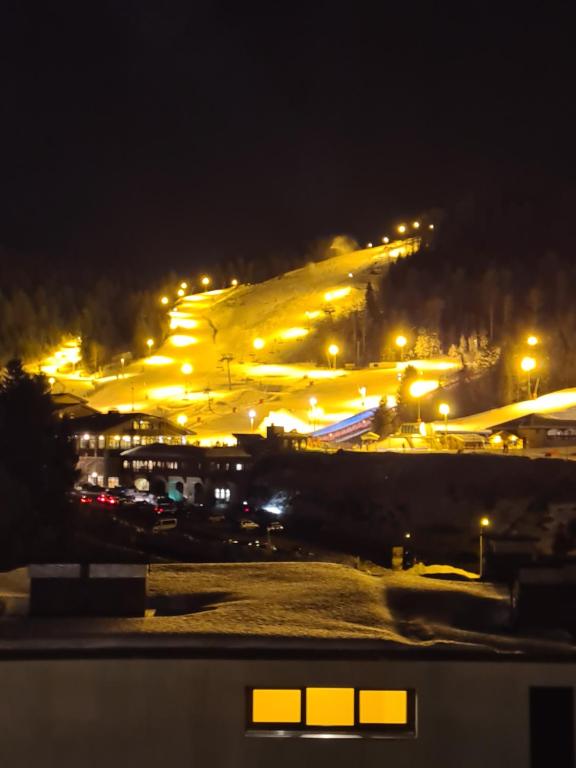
(247, 524)
(275, 525)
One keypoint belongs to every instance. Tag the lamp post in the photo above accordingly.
(149, 344)
(205, 282)
(313, 403)
(186, 369)
(528, 364)
(484, 523)
(362, 392)
(444, 410)
(532, 340)
(401, 342)
(333, 351)
(252, 416)
(122, 361)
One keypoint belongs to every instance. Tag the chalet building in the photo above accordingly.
(100, 438)
(211, 476)
(67, 405)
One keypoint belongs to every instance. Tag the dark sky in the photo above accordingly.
(197, 130)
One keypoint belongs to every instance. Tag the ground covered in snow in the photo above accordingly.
(291, 605)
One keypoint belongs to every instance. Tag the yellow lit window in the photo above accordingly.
(330, 706)
(383, 708)
(276, 706)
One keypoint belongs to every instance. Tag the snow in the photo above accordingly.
(282, 312)
(297, 604)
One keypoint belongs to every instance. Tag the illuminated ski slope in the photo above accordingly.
(261, 328)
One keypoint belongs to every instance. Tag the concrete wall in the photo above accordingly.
(191, 712)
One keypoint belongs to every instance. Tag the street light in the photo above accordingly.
(234, 283)
(187, 368)
(149, 344)
(368, 245)
(532, 341)
(401, 229)
(51, 381)
(528, 364)
(183, 286)
(252, 416)
(484, 523)
(205, 281)
(258, 343)
(385, 240)
(416, 224)
(164, 300)
(444, 410)
(362, 391)
(333, 351)
(401, 342)
(182, 419)
(313, 403)
(181, 292)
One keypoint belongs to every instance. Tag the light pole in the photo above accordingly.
(122, 361)
(333, 351)
(401, 342)
(528, 364)
(484, 523)
(149, 344)
(258, 343)
(252, 416)
(532, 340)
(313, 403)
(186, 369)
(362, 392)
(444, 410)
(205, 282)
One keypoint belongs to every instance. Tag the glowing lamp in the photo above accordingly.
(402, 229)
(164, 300)
(444, 409)
(528, 364)
(532, 341)
(182, 419)
(401, 341)
(333, 349)
(187, 368)
(258, 343)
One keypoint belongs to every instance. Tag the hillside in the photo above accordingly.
(293, 317)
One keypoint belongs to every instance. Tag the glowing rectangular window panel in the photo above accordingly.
(282, 705)
(330, 706)
(383, 708)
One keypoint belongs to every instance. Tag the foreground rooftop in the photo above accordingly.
(286, 606)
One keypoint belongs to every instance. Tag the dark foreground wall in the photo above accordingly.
(112, 712)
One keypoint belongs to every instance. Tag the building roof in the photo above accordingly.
(164, 451)
(103, 422)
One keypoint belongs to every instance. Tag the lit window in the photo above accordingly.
(239, 467)
(276, 706)
(383, 707)
(330, 706)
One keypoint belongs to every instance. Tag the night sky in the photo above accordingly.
(189, 131)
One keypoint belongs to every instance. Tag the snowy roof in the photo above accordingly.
(274, 606)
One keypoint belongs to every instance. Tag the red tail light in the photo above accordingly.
(158, 510)
(85, 499)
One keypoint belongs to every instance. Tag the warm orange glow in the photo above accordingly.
(234, 283)
(444, 409)
(421, 387)
(329, 706)
(183, 341)
(385, 240)
(532, 341)
(416, 224)
(311, 314)
(333, 350)
(485, 522)
(293, 333)
(183, 286)
(401, 341)
(159, 360)
(383, 707)
(181, 292)
(205, 281)
(150, 343)
(258, 343)
(276, 706)
(528, 364)
(164, 300)
(402, 228)
(182, 419)
(338, 293)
